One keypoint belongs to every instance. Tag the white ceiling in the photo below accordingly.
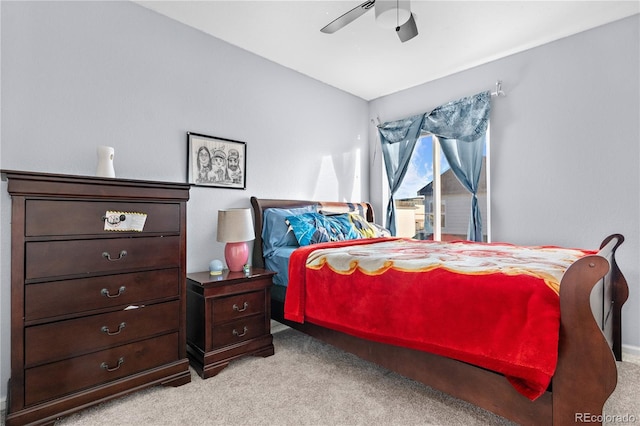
(369, 61)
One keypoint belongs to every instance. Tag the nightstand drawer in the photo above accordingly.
(80, 257)
(72, 297)
(238, 331)
(61, 378)
(238, 306)
(58, 217)
(59, 340)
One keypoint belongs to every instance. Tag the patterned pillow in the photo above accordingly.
(312, 228)
(381, 231)
(367, 229)
(331, 208)
(346, 225)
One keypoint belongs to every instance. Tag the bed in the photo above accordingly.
(591, 294)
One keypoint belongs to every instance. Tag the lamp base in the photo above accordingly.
(236, 255)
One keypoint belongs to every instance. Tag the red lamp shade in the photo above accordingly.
(235, 227)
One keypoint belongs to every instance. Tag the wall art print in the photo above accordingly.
(216, 162)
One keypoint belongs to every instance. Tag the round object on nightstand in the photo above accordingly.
(215, 267)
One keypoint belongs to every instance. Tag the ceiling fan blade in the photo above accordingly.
(408, 30)
(348, 17)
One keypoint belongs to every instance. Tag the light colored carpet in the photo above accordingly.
(308, 382)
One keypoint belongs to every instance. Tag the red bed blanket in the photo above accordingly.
(492, 305)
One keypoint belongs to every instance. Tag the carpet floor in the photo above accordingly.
(308, 382)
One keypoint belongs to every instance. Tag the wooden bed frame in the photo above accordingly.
(592, 293)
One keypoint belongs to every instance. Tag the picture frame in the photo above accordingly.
(216, 162)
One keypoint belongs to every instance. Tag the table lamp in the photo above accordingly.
(235, 227)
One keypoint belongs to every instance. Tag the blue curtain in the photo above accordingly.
(465, 159)
(461, 127)
(398, 140)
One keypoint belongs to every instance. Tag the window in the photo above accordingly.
(429, 212)
(430, 182)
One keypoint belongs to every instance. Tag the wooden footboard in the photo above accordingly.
(592, 293)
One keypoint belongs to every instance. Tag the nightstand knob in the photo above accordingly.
(235, 332)
(244, 307)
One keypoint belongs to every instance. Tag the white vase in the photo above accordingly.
(105, 162)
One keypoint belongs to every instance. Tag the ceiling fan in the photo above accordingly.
(389, 13)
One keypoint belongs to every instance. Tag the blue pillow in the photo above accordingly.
(312, 228)
(275, 231)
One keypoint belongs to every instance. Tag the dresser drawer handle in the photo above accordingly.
(107, 256)
(105, 366)
(244, 307)
(105, 329)
(105, 292)
(235, 332)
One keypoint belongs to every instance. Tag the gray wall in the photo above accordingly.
(76, 75)
(564, 144)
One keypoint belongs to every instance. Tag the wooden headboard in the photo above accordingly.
(259, 205)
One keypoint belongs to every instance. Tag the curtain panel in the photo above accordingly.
(461, 128)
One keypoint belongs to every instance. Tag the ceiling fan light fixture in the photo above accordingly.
(392, 13)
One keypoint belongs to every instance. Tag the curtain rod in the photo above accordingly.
(498, 92)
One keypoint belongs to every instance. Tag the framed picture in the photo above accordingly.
(216, 162)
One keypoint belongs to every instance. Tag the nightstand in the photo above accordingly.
(228, 316)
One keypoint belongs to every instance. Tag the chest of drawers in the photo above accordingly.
(228, 316)
(96, 311)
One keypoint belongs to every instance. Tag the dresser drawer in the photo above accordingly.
(49, 259)
(63, 217)
(238, 331)
(233, 307)
(64, 377)
(59, 340)
(68, 297)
